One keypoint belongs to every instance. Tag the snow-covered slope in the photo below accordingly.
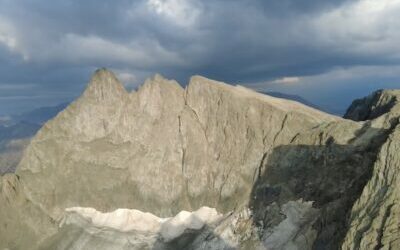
(127, 220)
(85, 228)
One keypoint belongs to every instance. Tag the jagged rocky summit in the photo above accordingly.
(374, 105)
(279, 174)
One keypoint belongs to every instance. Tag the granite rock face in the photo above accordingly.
(374, 220)
(285, 175)
(170, 148)
(328, 166)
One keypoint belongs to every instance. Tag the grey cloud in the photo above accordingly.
(59, 43)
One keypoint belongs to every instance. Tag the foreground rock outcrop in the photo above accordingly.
(285, 176)
(374, 217)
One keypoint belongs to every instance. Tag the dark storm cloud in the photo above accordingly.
(53, 46)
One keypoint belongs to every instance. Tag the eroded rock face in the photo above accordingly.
(374, 221)
(328, 165)
(284, 175)
(22, 223)
(161, 149)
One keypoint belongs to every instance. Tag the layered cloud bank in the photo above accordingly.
(235, 41)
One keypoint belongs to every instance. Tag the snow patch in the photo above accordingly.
(123, 220)
(126, 220)
(176, 226)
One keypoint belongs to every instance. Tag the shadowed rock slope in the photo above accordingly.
(285, 175)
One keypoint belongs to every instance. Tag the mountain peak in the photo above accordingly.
(104, 86)
(376, 104)
(159, 77)
(158, 84)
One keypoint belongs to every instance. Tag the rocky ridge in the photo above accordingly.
(286, 176)
(374, 105)
(374, 217)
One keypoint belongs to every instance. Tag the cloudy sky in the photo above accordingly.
(327, 51)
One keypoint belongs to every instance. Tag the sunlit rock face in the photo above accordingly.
(374, 219)
(279, 174)
(166, 148)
